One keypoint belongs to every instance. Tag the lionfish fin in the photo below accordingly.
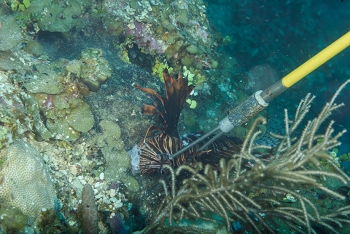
(152, 128)
(150, 92)
(177, 91)
(150, 110)
(179, 87)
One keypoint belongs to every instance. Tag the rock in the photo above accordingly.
(8, 61)
(34, 48)
(10, 33)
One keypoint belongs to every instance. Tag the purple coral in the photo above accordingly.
(145, 38)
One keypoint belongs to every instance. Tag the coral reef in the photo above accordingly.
(95, 69)
(61, 98)
(117, 159)
(14, 116)
(56, 89)
(73, 166)
(25, 180)
(58, 16)
(180, 31)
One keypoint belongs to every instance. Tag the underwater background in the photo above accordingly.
(289, 33)
(69, 113)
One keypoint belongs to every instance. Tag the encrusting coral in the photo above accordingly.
(294, 172)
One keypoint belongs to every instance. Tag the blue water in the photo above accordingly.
(283, 35)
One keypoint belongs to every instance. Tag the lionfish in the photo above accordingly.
(152, 153)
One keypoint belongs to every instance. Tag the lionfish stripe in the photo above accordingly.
(156, 151)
